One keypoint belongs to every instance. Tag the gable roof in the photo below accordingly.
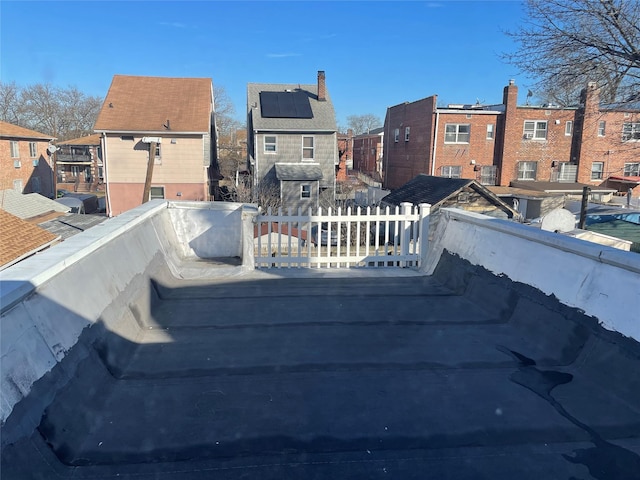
(322, 119)
(88, 140)
(28, 205)
(8, 130)
(435, 190)
(145, 104)
(20, 239)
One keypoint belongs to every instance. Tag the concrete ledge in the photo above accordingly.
(602, 281)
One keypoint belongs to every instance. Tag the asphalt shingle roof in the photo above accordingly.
(19, 239)
(144, 104)
(298, 171)
(9, 130)
(88, 140)
(28, 205)
(426, 189)
(324, 119)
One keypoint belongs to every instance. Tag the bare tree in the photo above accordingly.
(363, 123)
(568, 43)
(61, 113)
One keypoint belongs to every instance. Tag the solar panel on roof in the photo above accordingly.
(285, 105)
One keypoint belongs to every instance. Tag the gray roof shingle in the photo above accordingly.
(28, 205)
(298, 171)
(324, 119)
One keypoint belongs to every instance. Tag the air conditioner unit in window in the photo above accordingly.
(528, 136)
(17, 164)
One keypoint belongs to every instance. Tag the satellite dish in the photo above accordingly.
(558, 220)
(52, 149)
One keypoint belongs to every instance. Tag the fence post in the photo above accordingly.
(406, 232)
(423, 233)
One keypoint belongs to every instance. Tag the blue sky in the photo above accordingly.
(375, 53)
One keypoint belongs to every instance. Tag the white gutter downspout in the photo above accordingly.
(106, 170)
(435, 145)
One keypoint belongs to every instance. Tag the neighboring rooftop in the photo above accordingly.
(20, 239)
(156, 104)
(70, 224)
(9, 130)
(29, 205)
(87, 140)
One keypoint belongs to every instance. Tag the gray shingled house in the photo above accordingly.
(292, 142)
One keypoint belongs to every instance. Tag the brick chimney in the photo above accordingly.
(322, 88)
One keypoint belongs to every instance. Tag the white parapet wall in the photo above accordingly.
(602, 281)
(47, 300)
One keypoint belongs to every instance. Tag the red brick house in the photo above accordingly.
(367, 153)
(499, 144)
(79, 164)
(25, 163)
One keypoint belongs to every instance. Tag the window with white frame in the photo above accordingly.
(307, 148)
(156, 192)
(534, 129)
(33, 150)
(157, 160)
(630, 131)
(602, 126)
(17, 185)
(396, 135)
(407, 130)
(490, 131)
(597, 170)
(488, 175)
(451, 171)
(305, 191)
(631, 170)
(527, 170)
(457, 133)
(270, 144)
(568, 128)
(15, 149)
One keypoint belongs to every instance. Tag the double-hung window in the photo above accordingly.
(490, 131)
(597, 169)
(527, 170)
(457, 133)
(270, 144)
(631, 170)
(602, 127)
(33, 149)
(631, 131)
(451, 171)
(568, 128)
(307, 148)
(534, 129)
(407, 130)
(15, 150)
(396, 135)
(305, 191)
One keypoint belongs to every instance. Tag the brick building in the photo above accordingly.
(497, 144)
(367, 152)
(25, 163)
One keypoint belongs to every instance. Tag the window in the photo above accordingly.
(307, 148)
(15, 150)
(568, 128)
(630, 131)
(490, 131)
(156, 192)
(450, 171)
(270, 144)
(158, 151)
(536, 130)
(601, 128)
(35, 184)
(527, 170)
(396, 135)
(127, 138)
(407, 130)
(17, 186)
(305, 191)
(488, 175)
(157, 160)
(631, 170)
(597, 168)
(457, 133)
(75, 171)
(33, 150)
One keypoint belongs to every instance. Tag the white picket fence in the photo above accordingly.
(368, 237)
